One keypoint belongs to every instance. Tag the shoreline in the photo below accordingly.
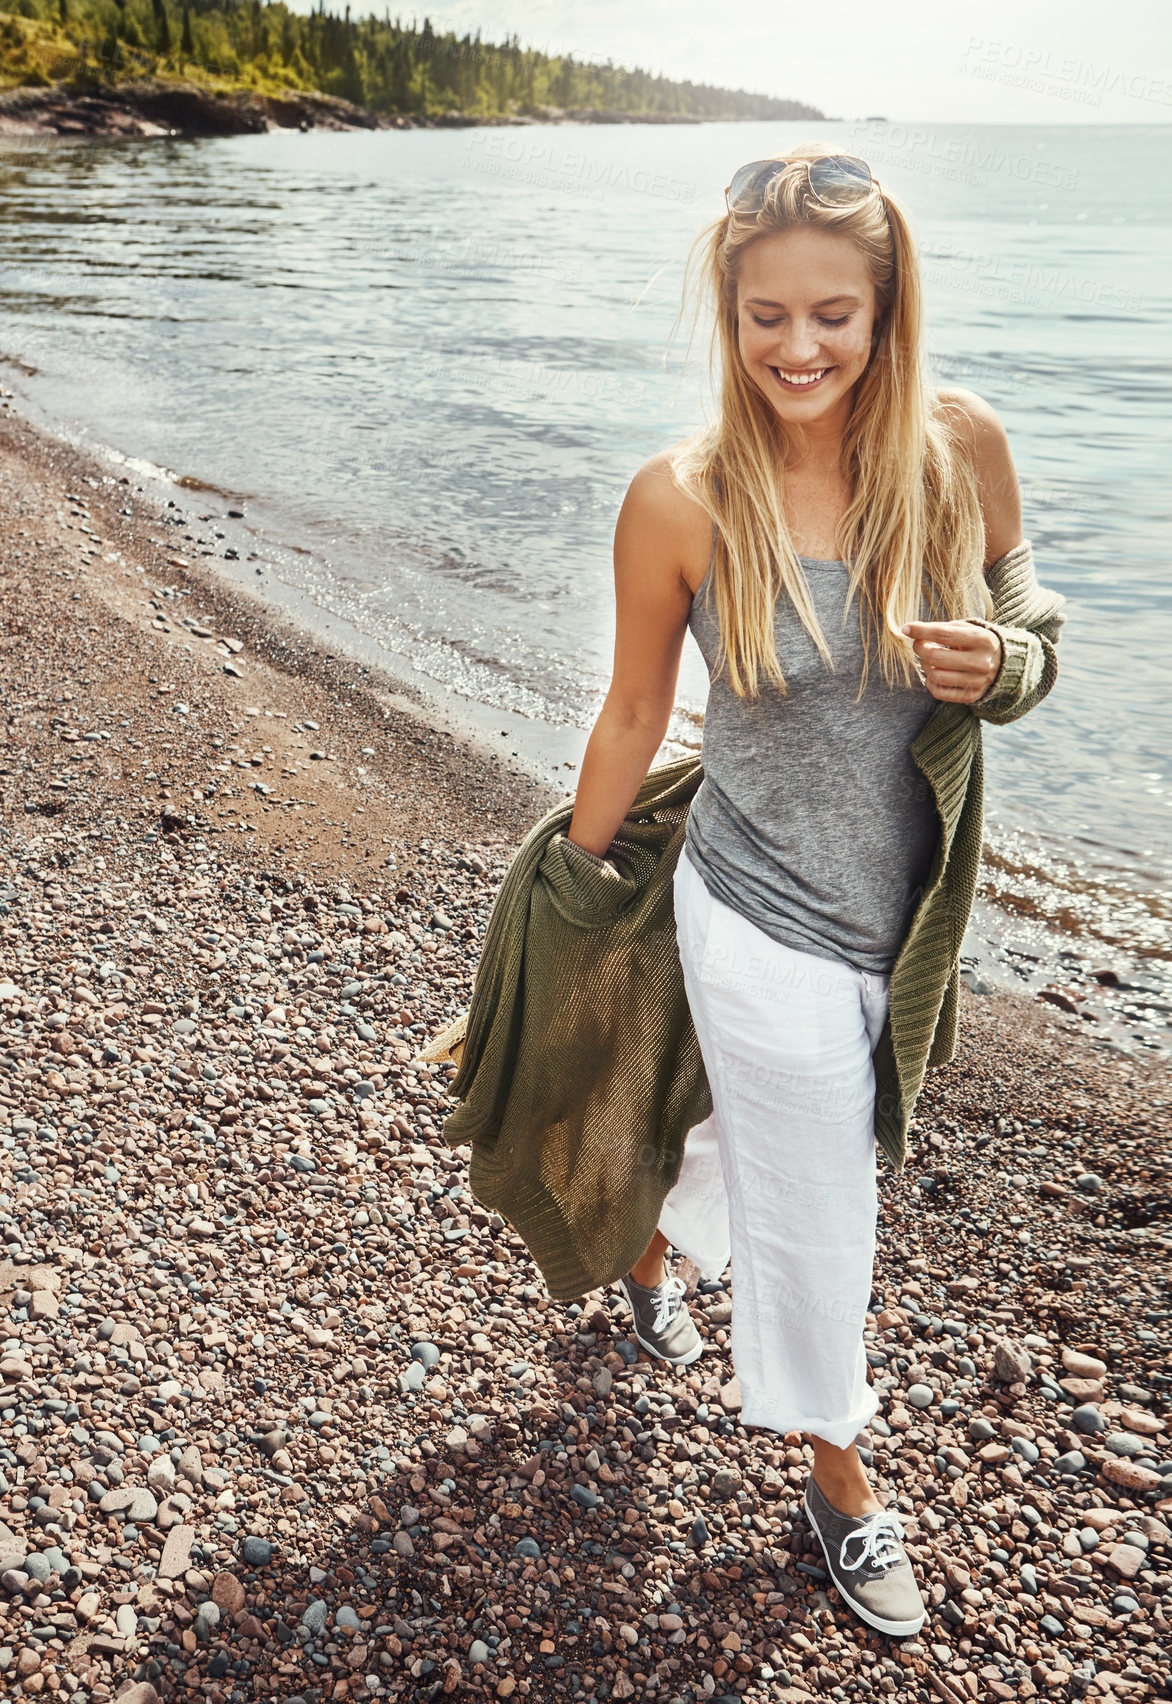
(1010, 946)
(230, 1214)
(149, 107)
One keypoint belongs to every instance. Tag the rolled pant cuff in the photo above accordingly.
(764, 1411)
(710, 1260)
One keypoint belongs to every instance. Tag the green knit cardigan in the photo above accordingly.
(579, 1073)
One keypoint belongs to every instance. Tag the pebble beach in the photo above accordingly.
(285, 1414)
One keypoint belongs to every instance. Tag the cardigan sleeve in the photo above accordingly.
(1027, 619)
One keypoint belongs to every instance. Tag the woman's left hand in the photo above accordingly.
(960, 660)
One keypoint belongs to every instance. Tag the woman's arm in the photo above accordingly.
(659, 530)
(979, 427)
(965, 662)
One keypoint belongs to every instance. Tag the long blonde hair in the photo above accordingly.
(913, 526)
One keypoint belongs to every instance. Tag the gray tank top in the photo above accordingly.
(812, 819)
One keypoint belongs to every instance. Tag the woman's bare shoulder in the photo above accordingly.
(978, 425)
(659, 509)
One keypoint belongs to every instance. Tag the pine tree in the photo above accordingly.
(162, 28)
(187, 41)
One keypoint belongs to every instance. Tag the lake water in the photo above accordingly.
(427, 364)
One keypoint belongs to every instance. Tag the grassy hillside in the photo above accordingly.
(377, 63)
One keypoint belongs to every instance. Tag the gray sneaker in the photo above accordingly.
(868, 1564)
(663, 1324)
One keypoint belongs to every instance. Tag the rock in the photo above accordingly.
(161, 1475)
(258, 1552)
(131, 1503)
(176, 1551)
(207, 1616)
(1011, 1361)
(726, 1482)
(1124, 1560)
(228, 1593)
(478, 1652)
(1130, 1475)
(347, 1616)
(1136, 1420)
(921, 1396)
(527, 1547)
(1083, 1390)
(1087, 1419)
(191, 1466)
(403, 1545)
(1083, 1366)
(315, 1615)
(1126, 1444)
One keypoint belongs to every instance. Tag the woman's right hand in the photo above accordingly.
(660, 533)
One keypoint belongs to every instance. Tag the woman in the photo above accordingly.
(825, 539)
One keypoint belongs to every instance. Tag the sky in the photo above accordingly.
(1003, 61)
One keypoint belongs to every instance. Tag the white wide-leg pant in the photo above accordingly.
(781, 1177)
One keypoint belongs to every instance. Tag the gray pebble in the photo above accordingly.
(921, 1396)
(478, 1651)
(258, 1552)
(427, 1353)
(1126, 1444)
(315, 1615)
(1087, 1418)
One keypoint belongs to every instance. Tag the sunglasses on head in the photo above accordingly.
(836, 180)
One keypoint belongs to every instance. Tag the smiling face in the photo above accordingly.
(806, 311)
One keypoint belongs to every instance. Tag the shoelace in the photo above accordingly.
(668, 1294)
(881, 1541)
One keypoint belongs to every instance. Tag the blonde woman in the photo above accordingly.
(825, 539)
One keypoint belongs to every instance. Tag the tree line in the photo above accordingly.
(379, 63)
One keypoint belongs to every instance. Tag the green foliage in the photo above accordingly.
(390, 67)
